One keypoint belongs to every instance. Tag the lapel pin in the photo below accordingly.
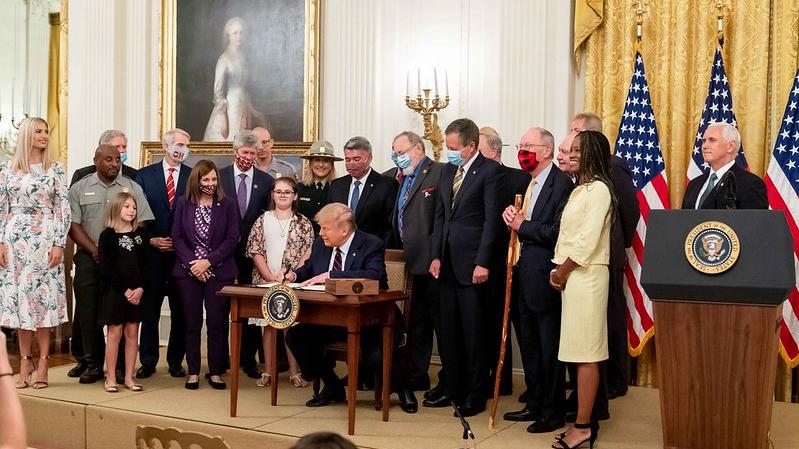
(255, 186)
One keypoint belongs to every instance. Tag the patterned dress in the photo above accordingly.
(34, 217)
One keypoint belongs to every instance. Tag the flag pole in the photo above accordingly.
(720, 21)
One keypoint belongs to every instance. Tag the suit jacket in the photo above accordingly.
(538, 236)
(623, 228)
(750, 191)
(418, 216)
(365, 259)
(224, 233)
(470, 225)
(260, 196)
(310, 201)
(81, 173)
(374, 205)
(513, 181)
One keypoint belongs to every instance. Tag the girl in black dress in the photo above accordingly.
(122, 254)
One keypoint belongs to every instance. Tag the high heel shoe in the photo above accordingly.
(560, 442)
(41, 384)
(264, 381)
(24, 379)
(298, 381)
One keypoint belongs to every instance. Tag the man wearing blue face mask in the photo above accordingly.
(117, 139)
(466, 229)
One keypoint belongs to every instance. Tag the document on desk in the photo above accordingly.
(296, 286)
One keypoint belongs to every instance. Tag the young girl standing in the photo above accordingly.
(122, 248)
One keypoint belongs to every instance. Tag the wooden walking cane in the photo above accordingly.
(509, 262)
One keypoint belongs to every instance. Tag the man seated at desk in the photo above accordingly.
(340, 251)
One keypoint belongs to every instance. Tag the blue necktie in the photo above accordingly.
(356, 195)
(403, 200)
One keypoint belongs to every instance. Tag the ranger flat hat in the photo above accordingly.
(321, 148)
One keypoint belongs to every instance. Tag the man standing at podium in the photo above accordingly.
(726, 185)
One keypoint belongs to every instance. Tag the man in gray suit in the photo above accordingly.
(412, 221)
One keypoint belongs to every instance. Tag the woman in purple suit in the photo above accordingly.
(204, 235)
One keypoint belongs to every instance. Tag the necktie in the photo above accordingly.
(526, 210)
(318, 186)
(403, 200)
(337, 260)
(400, 176)
(710, 184)
(241, 193)
(170, 187)
(456, 183)
(356, 195)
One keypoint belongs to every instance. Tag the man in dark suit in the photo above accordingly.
(514, 181)
(465, 231)
(340, 251)
(412, 220)
(539, 306)
(115, 138)
(725, 185)
(251, 189)
(368, 193)
(163, 183)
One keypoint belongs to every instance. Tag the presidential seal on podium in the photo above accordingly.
(712, 247)
(280, 306)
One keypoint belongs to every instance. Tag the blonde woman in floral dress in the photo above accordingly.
(34, 221)
(280, 241)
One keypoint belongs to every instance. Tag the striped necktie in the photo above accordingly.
(456, 183)
(337, 260)
(170, 187)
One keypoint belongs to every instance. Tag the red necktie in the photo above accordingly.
(170, 187)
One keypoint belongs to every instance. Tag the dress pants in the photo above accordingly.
(539, 336)
(463, 338)
(194, 295)
(163, 284)
(618, 370)
(251, 340)
(88, 287)
(425, 319)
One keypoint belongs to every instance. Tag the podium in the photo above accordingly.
(717, 280)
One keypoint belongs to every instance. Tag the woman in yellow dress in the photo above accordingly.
(581, 255)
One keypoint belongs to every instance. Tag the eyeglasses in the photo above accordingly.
(268, 142)
(284, 192)
(529, 146)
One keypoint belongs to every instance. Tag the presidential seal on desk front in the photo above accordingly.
(280, 306)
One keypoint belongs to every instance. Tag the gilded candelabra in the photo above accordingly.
(428, 108)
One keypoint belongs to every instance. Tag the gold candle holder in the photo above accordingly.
(429, 109)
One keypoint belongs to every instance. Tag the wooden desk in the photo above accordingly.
(352, 312)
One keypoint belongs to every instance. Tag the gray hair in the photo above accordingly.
(591, 121)
(229, 25)
(358, 143)
(109, 134)
(169, 137)
(548, 138)
(494, 142)
(412, 137)
(729, 132)
(246, 138)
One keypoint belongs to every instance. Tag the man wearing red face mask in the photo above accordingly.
(538, 224)
(251, 189)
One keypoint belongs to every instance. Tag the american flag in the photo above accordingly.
(638, 144)
(718, 108)
(782, 186)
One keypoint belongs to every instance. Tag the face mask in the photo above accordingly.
(244, 163)
(527, 160)
(402, 161)
(178, 152)
(209, 189)
(123, 157)
(357, 169)
(454, 157)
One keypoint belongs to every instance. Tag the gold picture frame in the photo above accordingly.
(221, 153)
(311, 82)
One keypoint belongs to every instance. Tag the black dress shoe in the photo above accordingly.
(145, 371)
(545, 425)
(252, 372)
(470, 408)
(437, 402)
(176, 371)
(408, 402)
(192, 385)
(434, 392)
(523, 397)
(77, 370)
(327, 396)
(91, 375)
(522, 415)
(216, 385)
